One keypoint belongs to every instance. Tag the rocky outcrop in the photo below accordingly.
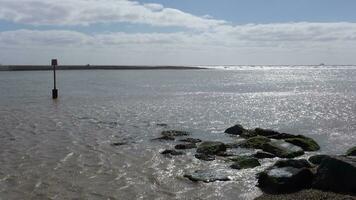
(307, 144)
(285, 179)
(205, 157)
(211, 148)
(186, 146)
(317, 159)
(207, 176)
(244, 162)
(282, 149)
(263, 155)
(254, 142)
(351, 152)
(302, 163)
(337, 174)
(174, 133)
(172, 152)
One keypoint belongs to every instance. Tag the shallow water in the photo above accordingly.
(62, 149)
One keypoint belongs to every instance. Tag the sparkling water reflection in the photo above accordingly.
(62, 149)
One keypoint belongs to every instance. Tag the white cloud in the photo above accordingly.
(86, 12)
(268, 43)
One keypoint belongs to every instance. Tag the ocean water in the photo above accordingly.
(62, 149)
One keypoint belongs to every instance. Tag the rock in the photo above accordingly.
(166, 137)
(262, 155)
(162, 124)
(186, 146)
(266, 132)
(207, 176)
(191, 140)
(307, 144)
(308, 194)
(244, 162)
(119, 143)
(302, 163)
(317, 159)
(254, 142)
(285, 179)
(351, 152)
(337, 174)
(174, 133)
(283, 136)
(235, 130)
(204, 157)
(172, 152)
(211, 148)
(282, 149)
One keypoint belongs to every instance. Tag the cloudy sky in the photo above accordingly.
(178, 32)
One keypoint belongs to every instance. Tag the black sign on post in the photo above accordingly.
(54, 91)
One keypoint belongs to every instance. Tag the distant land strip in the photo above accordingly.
(91, 67)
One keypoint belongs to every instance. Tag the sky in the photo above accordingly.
(178, 32)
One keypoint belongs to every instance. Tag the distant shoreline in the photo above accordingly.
(92, 67)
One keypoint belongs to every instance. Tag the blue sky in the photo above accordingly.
(178, 32)
(268, 11)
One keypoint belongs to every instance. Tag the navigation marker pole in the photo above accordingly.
(54, 91)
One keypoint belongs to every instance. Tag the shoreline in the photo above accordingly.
(93, 67)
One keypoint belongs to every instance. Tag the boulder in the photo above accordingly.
(317, 159)
(262, 155)
(307, 144)
(172, 152)
(186, 146)
(282, 136)
(254, 142)
(119, 143)
(207, 176)
(266, 132)
(211, 148)
(244, 162)
(351, 152)
(191, 140)
(174, 133)
(337, 174)
(205, 157)
(285, 179)
(302, 163)
(282, 149)
(235, 130)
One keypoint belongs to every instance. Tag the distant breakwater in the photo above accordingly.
(93, 67)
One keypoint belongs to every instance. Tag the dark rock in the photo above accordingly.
(307, 144)
(262, 155)
(119, 143)
(254, 142)
(211, 148)
(191, 140)
(162, 124)
(235, 130)
(207, 176)
(282, 149)
(266, 132)
(174, 133)
(317, 159)
(351, 152)
(302, 163)
(166, 137)
(186, 146)
(337, 174)
(172, 152)
(204, 157)
(225, 154)
(244, 162)
(285, 179)
(283, 136)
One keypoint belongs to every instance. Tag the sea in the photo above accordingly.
(63, 149)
